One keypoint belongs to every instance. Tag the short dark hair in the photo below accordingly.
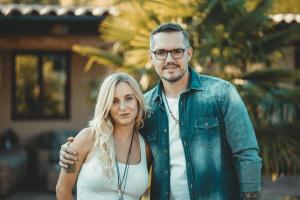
(170, 27)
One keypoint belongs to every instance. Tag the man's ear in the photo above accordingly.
(150, 56)
(190, 53)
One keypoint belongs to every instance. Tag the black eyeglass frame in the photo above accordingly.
(170, 51)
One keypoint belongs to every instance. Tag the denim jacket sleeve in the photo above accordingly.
(241, 138)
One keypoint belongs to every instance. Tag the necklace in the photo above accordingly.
(171, 113)
(124, 177)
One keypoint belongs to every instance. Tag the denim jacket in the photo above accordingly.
(218, 139)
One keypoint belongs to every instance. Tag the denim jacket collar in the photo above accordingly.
(195, 83)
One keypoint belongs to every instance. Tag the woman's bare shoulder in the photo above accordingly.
(84, 139)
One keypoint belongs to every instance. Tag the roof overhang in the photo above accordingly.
(21, 19)
(36, 19)
(285, 18)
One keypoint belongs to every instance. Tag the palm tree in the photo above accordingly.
(228, 38)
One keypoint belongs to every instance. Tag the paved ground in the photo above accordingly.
(286, 188)
(283, 189)
(31, 196)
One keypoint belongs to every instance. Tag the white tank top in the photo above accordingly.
(93, 185)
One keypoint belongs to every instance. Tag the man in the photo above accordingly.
(202, 140)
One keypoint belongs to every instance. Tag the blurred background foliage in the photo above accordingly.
(232, 39)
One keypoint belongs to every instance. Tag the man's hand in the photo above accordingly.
(249, 195)
(67, 155)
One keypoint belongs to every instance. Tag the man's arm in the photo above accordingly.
(241, 138)
(66, 181)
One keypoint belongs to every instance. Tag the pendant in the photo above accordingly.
(119, 192)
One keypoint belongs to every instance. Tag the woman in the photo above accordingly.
(112, 160)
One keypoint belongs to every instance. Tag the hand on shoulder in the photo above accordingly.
(83, 141)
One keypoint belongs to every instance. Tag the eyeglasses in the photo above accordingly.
(162, 54)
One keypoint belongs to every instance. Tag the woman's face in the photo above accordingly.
(125, 106)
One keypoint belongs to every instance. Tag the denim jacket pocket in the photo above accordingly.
(206, 131)
(206, 123)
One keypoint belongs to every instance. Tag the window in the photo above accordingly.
(40, 88)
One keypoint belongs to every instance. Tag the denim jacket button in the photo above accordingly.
(206, 124)
(166, 172)
(165, 130)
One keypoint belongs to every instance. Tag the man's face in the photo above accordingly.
(170, 69)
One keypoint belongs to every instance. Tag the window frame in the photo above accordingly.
(40, 53)
(296, 56)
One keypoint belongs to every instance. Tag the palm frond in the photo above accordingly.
(100, 56)
(279, 38)
(273, 75)
(252, 20)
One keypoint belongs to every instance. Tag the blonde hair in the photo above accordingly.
(101, 124)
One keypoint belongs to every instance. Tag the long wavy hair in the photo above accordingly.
(101, 124)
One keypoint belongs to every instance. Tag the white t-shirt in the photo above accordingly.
(178, 177)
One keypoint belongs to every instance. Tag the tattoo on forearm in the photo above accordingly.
(249, 195)
(71, 169)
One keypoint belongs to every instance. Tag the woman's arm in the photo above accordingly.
(148, 155)
(82, 143)
(149, 163)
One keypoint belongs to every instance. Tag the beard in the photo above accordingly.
(176, 78)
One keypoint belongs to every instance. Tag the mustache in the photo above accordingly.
(170, 64)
